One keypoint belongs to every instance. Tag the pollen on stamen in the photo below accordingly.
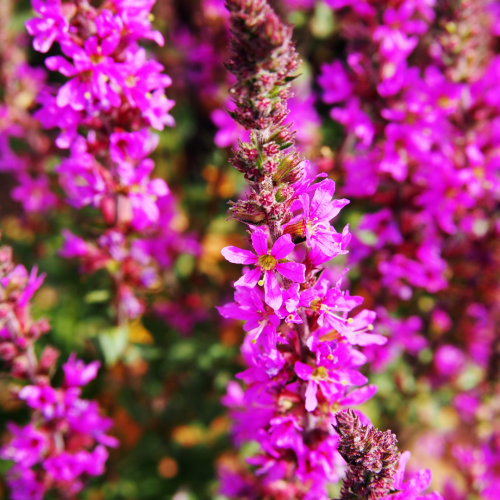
(260, 282)
(87, 95)
(350, 320)
(370, 328)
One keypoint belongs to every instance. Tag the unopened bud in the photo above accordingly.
(8, 351)
(48, 358)
(108, 209)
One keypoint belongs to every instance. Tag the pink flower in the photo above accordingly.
(49, 27)
(449, 360)
(249, 306)
(411, 489)
(334, 82)
(77, 374)
(266, 262)
(94, 60)
(26, 447)
(34, 193)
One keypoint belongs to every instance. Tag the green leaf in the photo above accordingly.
(113, 343)
(97, 296)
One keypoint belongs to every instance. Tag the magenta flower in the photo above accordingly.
(33, 284)
(334, 305)
(43, 398)
(411, 489)
(93, 60)
(355, 120)
(266, 262)
(132, 147)
(334, 82)
(24, 484)
(65, 118)
(318, 212)
(292, 300)
(249, 306)
(449, 360)
(138, 77)
(335, 371)
(50, 26)
(142, 192)
(77, 374)
(73, 246)
(135, 15)
(26, 447)
(361, 7)
(34, 193)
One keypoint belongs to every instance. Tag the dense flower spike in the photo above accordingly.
(65, 442)
(302, 366)
(113, 94)
(371, 456)
(420, 117)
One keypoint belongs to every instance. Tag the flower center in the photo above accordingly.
(96, 58)
(320, 373)
(267, 262)
(131, 81)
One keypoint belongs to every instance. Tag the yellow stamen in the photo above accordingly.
(320, 373)
(267, 262)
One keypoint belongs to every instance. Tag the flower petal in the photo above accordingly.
(273, 291)
(238, 256)
(359, 396)
(400, 474)
(259, 242)
(282, 247)
(249, 279)
(311, 399)
(303, 371)
(365, 339)
(293, 271)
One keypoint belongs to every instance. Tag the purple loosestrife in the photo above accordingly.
(65, 442)
(302, 366)
(418, 97)
(114, 94)
(21, 85)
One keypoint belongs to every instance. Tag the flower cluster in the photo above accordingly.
(420, 112)
(112, 96)
(301, 331)
(21, 84)
(65, 441)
